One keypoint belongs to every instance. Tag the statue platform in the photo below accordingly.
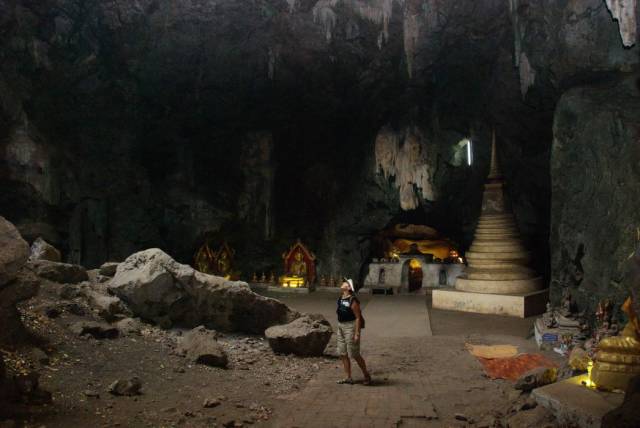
(573, 404)
(515, 305)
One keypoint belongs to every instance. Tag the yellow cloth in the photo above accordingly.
(492, 351)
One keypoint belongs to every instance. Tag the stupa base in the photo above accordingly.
(514, 305)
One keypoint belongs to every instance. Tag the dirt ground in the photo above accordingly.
(423, 376)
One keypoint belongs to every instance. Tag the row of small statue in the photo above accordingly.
(323, 281)
(263, 278)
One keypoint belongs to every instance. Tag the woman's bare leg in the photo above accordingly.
(347, 365)
(363, 367)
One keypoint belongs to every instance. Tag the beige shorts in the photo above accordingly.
(346, 345)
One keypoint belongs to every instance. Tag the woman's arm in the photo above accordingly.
(355, 307)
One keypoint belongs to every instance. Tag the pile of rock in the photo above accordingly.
(157, 288)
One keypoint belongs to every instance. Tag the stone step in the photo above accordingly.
(498, 265)
(500, 274)
(496, 246)
(498, 256)
(510, 286)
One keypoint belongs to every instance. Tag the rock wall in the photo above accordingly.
(595, 169)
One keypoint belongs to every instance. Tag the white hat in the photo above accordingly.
(350, 282)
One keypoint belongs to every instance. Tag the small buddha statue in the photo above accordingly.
(254, 278)
(618, 357)
(272, 278)
(298, 266)
(223, 263)
(332, 282)
(263, 278)
(323, 281)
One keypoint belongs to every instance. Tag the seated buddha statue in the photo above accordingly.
(298, 267)
(618, 357)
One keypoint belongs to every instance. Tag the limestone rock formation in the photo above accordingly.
(595, 216)
(16, 284)
(109, 268)
(154, 286)
(201, 346)
(63, 273)
(42, 250)
(14, 251)
(306, 336)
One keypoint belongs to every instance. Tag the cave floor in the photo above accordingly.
(423, 376)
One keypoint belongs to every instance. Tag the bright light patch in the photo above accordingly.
(469, 153)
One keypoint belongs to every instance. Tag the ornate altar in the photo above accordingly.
(299, 266)
(218, 262)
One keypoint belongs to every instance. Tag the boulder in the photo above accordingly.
(98, 330)
(23, 287)
(201, 346)
(579, 359)
(305, 336)
(154, 286)
(538, 417)
(110, 308)
(14, 251)
(127, 387)
(63, 273)
(128, 326)
(109, 268)
(42, 250)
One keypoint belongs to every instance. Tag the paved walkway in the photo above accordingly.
(419, 379)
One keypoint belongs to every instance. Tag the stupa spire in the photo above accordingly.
(494, 170)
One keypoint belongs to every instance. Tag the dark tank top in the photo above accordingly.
(344, 311)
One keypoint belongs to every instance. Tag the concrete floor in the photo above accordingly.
(423, 374)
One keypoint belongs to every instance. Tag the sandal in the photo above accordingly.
(347, 381)
(367, 381)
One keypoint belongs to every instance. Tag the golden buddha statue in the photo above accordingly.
(618, 357)
(298, 267)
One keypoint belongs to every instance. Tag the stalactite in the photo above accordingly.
(377, 11)
(402, 156)
(273, 56)
(411, 31)
(527, 74)
(625, 12)
(517, 36)
(324, 15)
(292, 5)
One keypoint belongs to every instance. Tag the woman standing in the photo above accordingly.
(350, 322)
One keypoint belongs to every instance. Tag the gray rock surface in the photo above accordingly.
(109, 268)
(108, 307)
(42, 250)
(63, 273)
(155, 286)
(305, 336)
(201, 346)
(23, 287)
(595, 173)
(14, 251)
(127, 387)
